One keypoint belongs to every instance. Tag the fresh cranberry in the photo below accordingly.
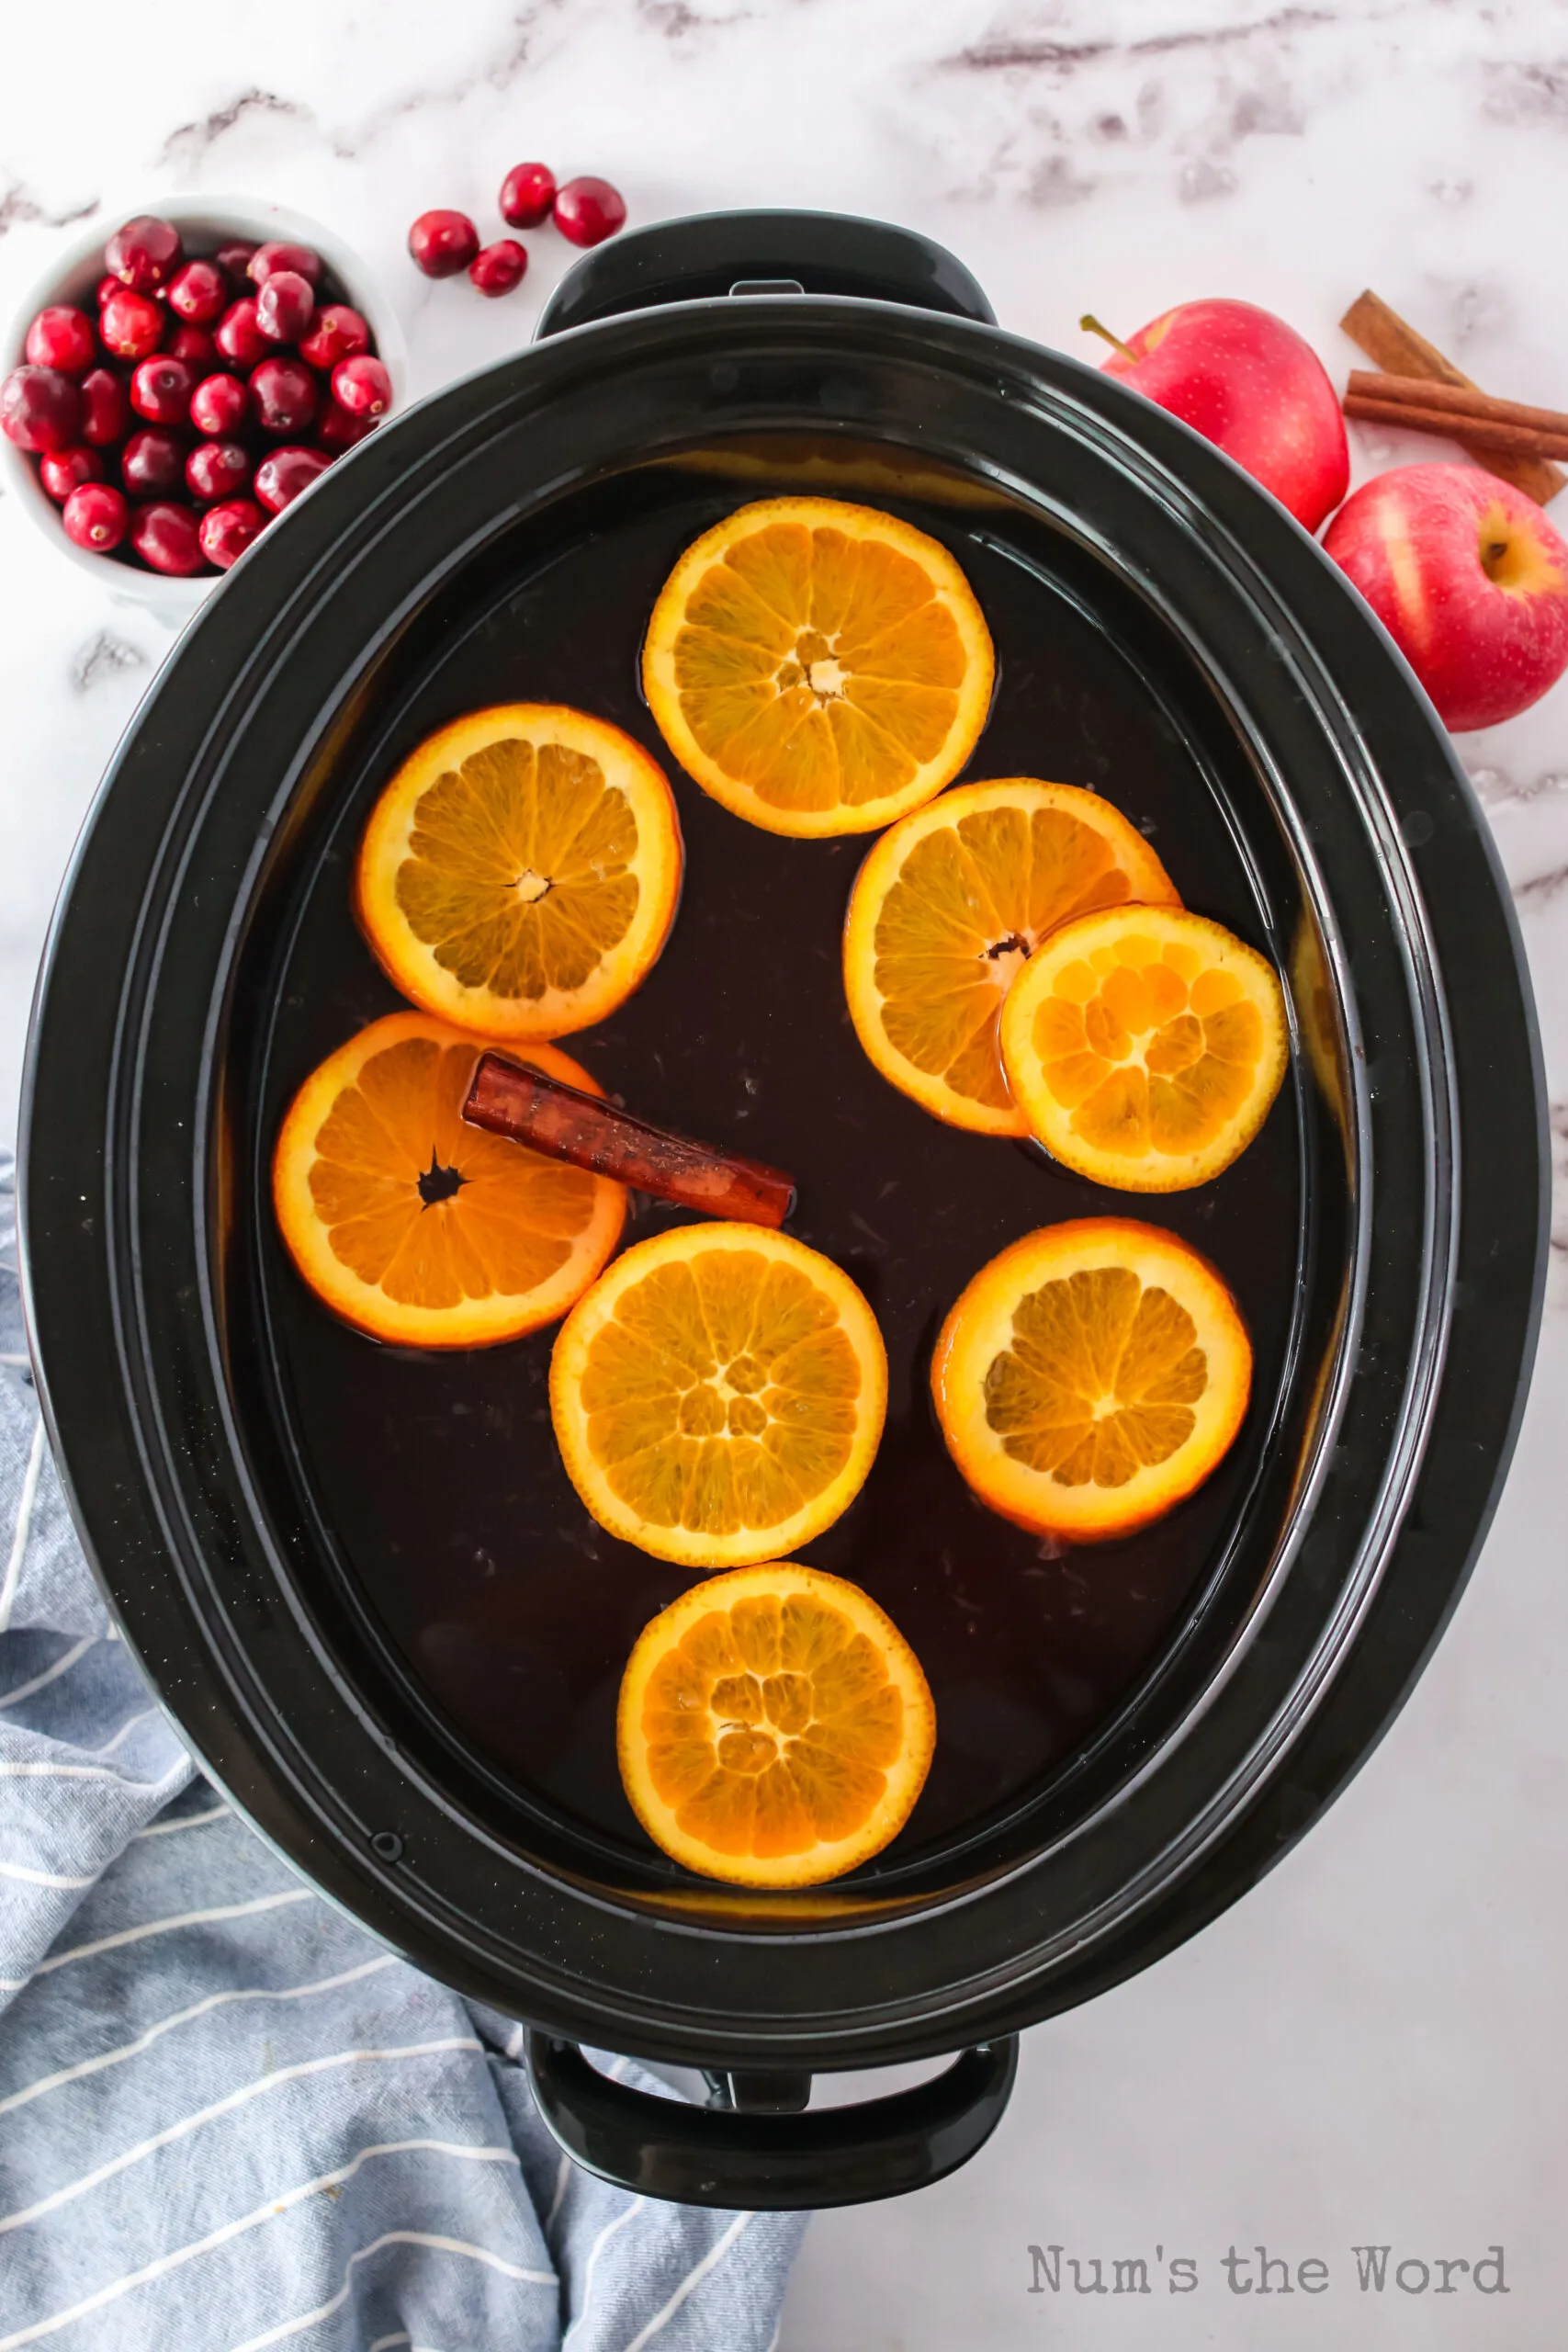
(234, 258)
(104, 288)
(168, 537)
(337, 333)
(526, 195)
(588, 210)
(283, 473)
(161, 390)
(41, 409)
(269, 259)
(199, 293)
(144, 253)
(106, 411)
(195, 347)
(130, 326)
(335, 429)
(362, 385)
(218, 405)
(63, 338)
(443, 244)
(498, 267)
(284, 306)
(96, 517)
(283, 395)
(227, 530)
(153, 460)
(238, 336)
(217, 469)
(64, 470)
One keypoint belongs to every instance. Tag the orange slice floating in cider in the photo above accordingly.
(1090, 1377)
(946, 909)
(417, 1228)
(718, 1395)
(774, 1727)
(818, 667)
(520, 874)
(1145, 1046)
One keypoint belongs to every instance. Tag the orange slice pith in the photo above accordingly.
(718, 1395)
(943, 912)
(817, 667)
(1090, 1377)
(774, 1727)
(520, 874)
(416, 1228)
(1145, 1046)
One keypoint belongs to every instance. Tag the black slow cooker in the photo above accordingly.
(367, 1662)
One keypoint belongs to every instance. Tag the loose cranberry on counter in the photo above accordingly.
(227, 530)
(199, 293)
(269, 259)
(498, 267)
(195, 347)
(283, 473)
(64, 470)
(362, 385)
(41, 410)
(283, 394)
(284, 306)
(168, 537)
(588, 210)
(161, 390)
(106, 411)
(335, 429)
(217, 469)
(130, 325)
(337, 333)
(144, 253)
(104, 288)
(218, 405)
(442, 243)
(238, 336)
(526, 195)
(234, 258)
(96, 517)
(63, 338)
(153, 460)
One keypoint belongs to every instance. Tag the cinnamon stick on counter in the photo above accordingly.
(1385, 336)
(509, 1099)
(1422, 407)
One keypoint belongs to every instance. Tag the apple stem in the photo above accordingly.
(1091, 326)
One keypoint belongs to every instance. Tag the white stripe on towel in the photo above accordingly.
(391, 2237)
(694, 2277)
(176, 2260)
(51, 1673)
(23, 1526)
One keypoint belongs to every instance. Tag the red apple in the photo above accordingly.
(1249, 384)
(1468, 578)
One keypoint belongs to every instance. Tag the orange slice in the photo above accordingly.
(946, 909)
(818, 667)
(415, 1227)
(718, 1397)
(774, 1727)
(1145, 1046)
(1090, 1377)
(520, 874)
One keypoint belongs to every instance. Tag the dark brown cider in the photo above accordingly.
(439, 1473)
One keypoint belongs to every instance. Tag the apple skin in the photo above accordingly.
(1248, 383)
(1468, 578)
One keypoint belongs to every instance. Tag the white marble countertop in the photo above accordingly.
(1372, 2047)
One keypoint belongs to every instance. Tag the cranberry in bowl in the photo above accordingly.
(218, 235)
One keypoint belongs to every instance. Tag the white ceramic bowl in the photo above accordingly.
(208, 221)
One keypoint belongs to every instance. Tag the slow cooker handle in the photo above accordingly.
(780, 252)
(748, 2150)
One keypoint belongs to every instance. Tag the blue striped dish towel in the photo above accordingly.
(228, 2118)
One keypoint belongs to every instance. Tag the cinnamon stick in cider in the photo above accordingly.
(507, 1098)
